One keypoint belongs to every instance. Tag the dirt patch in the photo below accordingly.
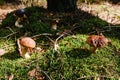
(7, 8)
(105, 11)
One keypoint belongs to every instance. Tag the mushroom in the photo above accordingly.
(96, 42)
(21, 15)
(26, 45)
(54, 23)
(20, 12)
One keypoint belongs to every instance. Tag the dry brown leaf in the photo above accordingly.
(32, 73)
(39, 77)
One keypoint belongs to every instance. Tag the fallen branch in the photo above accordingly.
(10, 29)
(50, 39)
(9, 35)
(43, 34)
(45, 74)
(59, 38)
(56, 46)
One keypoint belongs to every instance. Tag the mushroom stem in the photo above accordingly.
(93, 49)
(27, 55)
(17, 23)
(19, 46)
(24, 52)
(30, 50)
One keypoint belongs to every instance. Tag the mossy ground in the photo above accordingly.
(72, 61)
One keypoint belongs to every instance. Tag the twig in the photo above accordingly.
(43, 34)
(10, 29)
(56, 41)
(56, 46)
(45, 74)
(59, 37)
(9, 35)
(50, 39)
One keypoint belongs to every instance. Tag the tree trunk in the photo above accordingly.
(62, 5)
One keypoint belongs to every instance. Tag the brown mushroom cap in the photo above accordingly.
(97, 40)
(103, 41)
(27, 42)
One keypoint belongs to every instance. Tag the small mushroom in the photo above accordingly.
(21, 12)
(26, 45)
(17, 23)
(54, 23)
(97, 41)
(21, 15)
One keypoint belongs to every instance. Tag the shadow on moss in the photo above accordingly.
(78, 53)
(12, 56)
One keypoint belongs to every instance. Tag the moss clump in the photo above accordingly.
(9, 20)
(1, 2)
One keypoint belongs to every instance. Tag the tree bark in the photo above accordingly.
(62, 5)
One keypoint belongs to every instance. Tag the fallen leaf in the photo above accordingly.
(39, 77)
(32, 73)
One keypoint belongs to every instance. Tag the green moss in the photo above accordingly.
(9, 20)
(1, 2)
(73, 62)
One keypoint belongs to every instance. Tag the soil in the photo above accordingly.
(7, 8)
(105, 11)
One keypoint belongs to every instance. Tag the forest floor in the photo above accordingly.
(66, 53)
(105, 11)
